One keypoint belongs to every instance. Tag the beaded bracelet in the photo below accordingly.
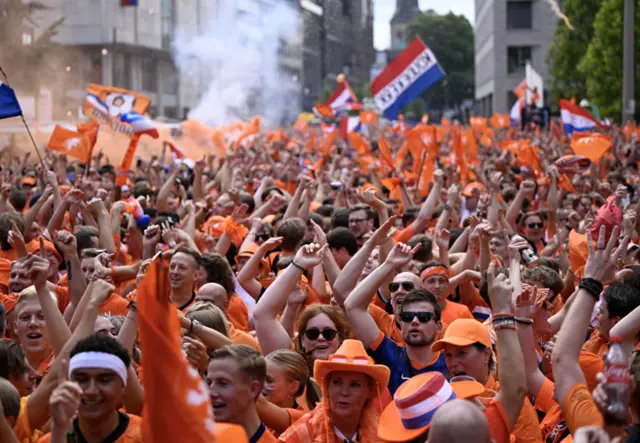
(503, 315)
(524, 321)
(298, 266)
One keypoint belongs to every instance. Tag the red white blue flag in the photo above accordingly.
(576, 118)
(139, 124)
(342, 99)
(413, 71)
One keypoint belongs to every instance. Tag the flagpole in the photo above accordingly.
(6, 80)
(417, 191)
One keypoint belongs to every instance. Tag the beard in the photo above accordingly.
(418, 339)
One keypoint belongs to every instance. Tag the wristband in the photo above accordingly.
(524, 321)
(132, 306)
(503, 315)
(511, 326)
(304, 271)
(172, 244)
(592, 286)
(190, 330)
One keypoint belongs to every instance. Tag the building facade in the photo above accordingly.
(338, 38)
(131, 47)
(507, 35)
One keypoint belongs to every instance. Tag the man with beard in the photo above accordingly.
(182, 276)
(419, 315)
(360, 222)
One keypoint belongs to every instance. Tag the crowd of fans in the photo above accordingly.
(326, 298)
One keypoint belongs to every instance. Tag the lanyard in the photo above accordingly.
(341, 436)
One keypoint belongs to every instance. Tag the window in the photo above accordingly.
(149, 79)
(346, 8)
(167, 16)
(122, 70)
(519, 15)
(517, 57)
(169, 78)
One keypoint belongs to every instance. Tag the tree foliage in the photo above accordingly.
(602, 63)
(451, 39)
(27, 60)
(569, 47)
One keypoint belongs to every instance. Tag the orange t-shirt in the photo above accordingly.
(527, 427)
(386, 323)
(404, 235)
(237, 313)
(239, 337)
(580, 410)
(22, 427)
(5, 271)
(453, 311)
(498, 422)
(596, 344)
(133, 434)
(553, 426)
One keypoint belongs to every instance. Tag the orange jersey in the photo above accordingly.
(22, 427)
(237, 313)
(239, 337)
(580, 409)
(133, 433)
(453, 311)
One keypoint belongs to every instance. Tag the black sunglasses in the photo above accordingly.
(423, 317)
(406, 285)
(314, 333)
(535, 225)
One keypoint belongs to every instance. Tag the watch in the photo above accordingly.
(447, 207)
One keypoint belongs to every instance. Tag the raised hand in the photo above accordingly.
(298, 295)
(16, 239)
(168, 234)
(102, 267)
(271, 244)
(38, 267)
(276, 202)
(526, 302)
(310, 255)
(320, 236)
(196, 353)
(65, 399)
(442, 239)
(452, 194)
(152, 236)
(529, 188)
(101, 291)
(66, 242)
(517, 245)
(602, 259)
(370, 197)
(500, 290)
(401, 255)
(383, 233)
(239, 213)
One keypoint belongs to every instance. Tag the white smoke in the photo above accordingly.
(235, 62)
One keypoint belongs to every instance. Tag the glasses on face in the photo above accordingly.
(356, 221)
(314, 333)
(406, 285)
(423, 316)
(535, 225)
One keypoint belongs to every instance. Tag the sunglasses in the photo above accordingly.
(314, 333)
(535, 225)
(423, 316)
(406, 285)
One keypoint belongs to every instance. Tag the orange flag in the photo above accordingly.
(127, 160)
(301, 125)
(500, 121)
(368, 117)
(76, 144)
(393, 185)
(359, 143)
(325, 145)
(177, 405)
(457, 152)
(478, 124)
(401, 154)
(385, 152)
(427, 176)
(470, 144)
(592, 146)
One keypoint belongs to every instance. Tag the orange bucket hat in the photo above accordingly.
(351, 356)
(473, 186)
(416, 401)
(464, 332)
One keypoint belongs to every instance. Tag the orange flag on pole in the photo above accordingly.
(592, 146)
(478, 124)
(324, 147)
(127, 160)
(359, 143)
(385, 152)
(177, 405)
(76, 144)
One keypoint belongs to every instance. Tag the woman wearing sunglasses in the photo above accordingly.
(534, 228)
(321, 328)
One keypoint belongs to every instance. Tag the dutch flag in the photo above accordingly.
(405, 78)
(576, 118)
(140, 124)
(9, 106)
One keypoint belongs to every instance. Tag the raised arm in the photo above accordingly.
(331, 268)
(66, 242)
(357, 303)
(271, 334)
(251, 270)
(370, 197)
(526, 309)
(32, 213)
(526, 190)
(73, 196)
(198, 189)
(163, 194)
(429, 205)
(99, 211)
(350, 275)
(600, 264)
(510, 361)
(294, 204)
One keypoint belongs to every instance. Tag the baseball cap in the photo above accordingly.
(464, 332)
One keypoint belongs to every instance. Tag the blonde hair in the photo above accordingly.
(30, 295)
(209, 315)
(296, 369)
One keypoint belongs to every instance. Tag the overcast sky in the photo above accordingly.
(383, 11)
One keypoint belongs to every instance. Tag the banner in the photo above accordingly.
(107, 104)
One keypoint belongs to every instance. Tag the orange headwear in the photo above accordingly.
(435, 270)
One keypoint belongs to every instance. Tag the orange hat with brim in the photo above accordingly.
(29, 181)
(473, 186)
(352, 357)
(416, 401)
(463, 332)
(247, 251)
(34, 246)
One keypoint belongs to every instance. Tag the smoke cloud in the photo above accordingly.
(234, 62)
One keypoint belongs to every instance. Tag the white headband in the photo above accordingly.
(102, 360)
